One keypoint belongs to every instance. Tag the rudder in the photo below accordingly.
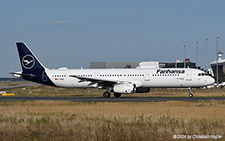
(32, 68)
(28, 60)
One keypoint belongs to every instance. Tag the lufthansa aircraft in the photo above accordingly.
(119, 81)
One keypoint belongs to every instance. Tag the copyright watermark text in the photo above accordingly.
(197, 136)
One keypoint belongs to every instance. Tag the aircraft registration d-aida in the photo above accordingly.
(118, 81)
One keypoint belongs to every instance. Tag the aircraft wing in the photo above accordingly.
(103, 82)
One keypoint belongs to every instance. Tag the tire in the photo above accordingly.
(117, 94)
(106, 94)
(190, 95)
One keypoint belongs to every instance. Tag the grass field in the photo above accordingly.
(67, 120)
(54, 91)
(57, 120)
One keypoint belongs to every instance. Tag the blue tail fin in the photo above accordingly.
(28, 60)
(33, 70)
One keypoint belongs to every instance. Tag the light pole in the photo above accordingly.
(184, 57)
(217, 67)
(175, 56)
(197, 54)
(206, 67)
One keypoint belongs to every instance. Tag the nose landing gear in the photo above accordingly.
(190, 94)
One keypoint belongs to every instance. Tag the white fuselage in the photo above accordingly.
(119, 81)
(151, 78)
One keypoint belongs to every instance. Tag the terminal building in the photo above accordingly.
(221, 65)
(150, 64)
(108, 65)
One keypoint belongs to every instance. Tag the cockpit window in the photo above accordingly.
(202, 74)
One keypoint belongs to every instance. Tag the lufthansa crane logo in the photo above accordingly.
(28, 62)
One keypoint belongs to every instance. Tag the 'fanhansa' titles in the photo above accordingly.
(170, 71)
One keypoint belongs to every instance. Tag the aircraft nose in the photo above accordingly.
(211, 80)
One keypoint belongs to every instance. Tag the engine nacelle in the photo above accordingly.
(124, 88)
(142, 90)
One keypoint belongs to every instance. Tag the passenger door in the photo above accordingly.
(147, 76)
(189, 75)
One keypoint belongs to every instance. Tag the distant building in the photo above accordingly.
(180, 64)
(149, 64)
(107, 65)
(221, 64)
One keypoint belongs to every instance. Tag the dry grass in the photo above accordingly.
(44, 90)
(54, 91)
(184, 92)
(66, 120)
(13, 83)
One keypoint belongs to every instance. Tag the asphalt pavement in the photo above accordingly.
(19, 86)
(111, 99)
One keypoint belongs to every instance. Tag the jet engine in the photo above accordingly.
(124, 88)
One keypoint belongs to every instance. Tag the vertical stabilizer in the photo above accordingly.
(32, 68)
(28, 60)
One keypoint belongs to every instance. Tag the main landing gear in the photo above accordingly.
(190, 94)
(117, 94)
(107, 94)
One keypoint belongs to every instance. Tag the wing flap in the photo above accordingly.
(93, 79)
(105, 82)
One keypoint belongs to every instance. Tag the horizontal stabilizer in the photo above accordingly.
(18, 74)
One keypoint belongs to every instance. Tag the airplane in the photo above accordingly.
(119, 81)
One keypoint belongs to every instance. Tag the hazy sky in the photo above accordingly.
(73, 33)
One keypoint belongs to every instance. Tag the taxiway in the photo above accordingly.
(112, 99)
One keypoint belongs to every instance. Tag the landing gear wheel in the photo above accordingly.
(117, 94)
(106, 94)
(190, 95)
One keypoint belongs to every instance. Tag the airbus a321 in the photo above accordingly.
(118, 81)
